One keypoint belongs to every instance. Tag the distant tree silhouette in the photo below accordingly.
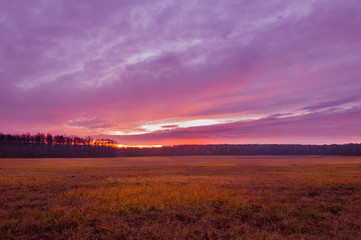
(41, 145)
(49, 139)
(245, 149)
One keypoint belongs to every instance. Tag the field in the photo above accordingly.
(217, 197)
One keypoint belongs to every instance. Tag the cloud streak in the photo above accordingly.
(315, 128)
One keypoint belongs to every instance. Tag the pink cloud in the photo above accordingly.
(339, 126)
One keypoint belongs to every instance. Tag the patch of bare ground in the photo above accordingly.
(181, 198)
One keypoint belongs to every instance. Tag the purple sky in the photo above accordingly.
(171, 72)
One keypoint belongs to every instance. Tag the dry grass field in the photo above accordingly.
(213, 197)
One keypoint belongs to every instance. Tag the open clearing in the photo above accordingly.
(197, 197)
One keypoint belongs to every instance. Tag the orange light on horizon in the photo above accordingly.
(138, 146)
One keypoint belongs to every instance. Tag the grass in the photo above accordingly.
(218, 197)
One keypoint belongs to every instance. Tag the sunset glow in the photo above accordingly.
(182, 72)
(138, 146)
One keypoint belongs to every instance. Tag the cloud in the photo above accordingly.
(170, 126)
(87, 66)
(90, 123)
(338, 126)
(334, 102)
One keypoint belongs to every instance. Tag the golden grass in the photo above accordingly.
(162, 195)
(215, 164)
(181, 198)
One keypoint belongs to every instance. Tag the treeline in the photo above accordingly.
(245, 149)
(48, 146)
(53, 146)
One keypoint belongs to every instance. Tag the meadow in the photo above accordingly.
(186, 197)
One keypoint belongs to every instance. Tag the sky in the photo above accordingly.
(182, 72)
